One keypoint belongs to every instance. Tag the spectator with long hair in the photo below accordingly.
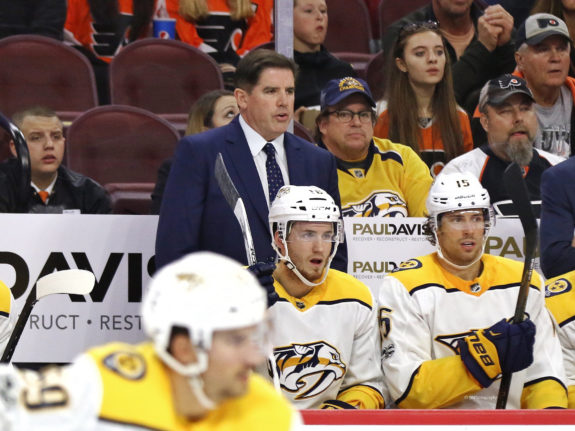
(214, 109)
(420, 108)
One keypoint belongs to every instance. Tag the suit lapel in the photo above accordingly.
(242, 170)
(297, 172)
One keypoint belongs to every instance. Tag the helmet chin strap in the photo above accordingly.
(292, 266)
(441, 255)
(192, 373)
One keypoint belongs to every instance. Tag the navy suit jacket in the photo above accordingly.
(558, 218)
(195, 215)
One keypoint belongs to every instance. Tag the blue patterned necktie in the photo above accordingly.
(274, 173)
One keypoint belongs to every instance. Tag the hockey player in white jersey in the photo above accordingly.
(560, 300)
(205, 316)
(442, 316)
(8, 316)
(325, 336)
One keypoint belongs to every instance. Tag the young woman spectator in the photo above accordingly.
(420, 108)
(214, 109)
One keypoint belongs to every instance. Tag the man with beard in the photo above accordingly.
(442, 316)
(509, 120)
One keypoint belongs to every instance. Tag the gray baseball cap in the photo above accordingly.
(538, 27)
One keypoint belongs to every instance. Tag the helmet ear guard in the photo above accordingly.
(202, 293)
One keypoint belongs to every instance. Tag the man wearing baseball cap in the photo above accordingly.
(507, 115)
(376, 177)
(543, 48)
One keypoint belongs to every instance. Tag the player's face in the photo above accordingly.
(45, 139)
(423, 59)
(268, 107)
(511, 128)
(225, 109)
(309, 247)
(309, 24)
(460, 235)
(233, 356)
(546, 64)
(455, 8)
(347, 140)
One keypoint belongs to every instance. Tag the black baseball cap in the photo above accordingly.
(498, 90)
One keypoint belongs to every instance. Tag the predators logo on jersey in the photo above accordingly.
(130, 365)
(380, 203)
(556, 287)
(408, 264)
(308, 369)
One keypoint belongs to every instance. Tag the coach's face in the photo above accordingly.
(268, 106)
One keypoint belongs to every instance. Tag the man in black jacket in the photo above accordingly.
(478, 42)
(54, 188)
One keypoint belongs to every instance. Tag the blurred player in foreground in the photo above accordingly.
(204, 314)
(442, 316)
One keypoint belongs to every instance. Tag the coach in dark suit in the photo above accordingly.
(558, 219)
(194, 214)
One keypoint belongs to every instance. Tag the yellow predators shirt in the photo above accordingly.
(326, 344)
(394, 184)
(124, 387)
(424, 310)
(560, 299)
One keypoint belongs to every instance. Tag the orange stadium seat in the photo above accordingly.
(38, 70)
(120, 144)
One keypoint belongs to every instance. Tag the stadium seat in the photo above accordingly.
(375, 76)
(120, 144)
(162, 76)
(130, 198)
(392, 10)
(38, 70)
(349, 28)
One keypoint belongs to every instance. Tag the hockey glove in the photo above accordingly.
(335, 405)
(264, 273)
(501, 348)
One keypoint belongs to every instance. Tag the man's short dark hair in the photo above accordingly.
(33, 111)
(255, 62)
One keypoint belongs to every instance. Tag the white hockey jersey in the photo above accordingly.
(424, 310)
(120, 387)
(560, 299)
(326, 344)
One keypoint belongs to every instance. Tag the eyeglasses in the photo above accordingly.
(312, 236)
(345, 115)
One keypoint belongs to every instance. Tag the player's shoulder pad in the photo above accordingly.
(5, 299)
(560, 285)
(124, 360)
(508, 271)
(408, 265)
(560, 297)
(344, 286)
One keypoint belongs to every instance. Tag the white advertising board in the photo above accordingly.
(119, 251)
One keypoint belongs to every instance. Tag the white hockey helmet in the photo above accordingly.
(307, 204)
(457, 191)
(202, 292)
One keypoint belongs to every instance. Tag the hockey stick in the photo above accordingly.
(70, 281)
(517, 189)
(237, 205)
